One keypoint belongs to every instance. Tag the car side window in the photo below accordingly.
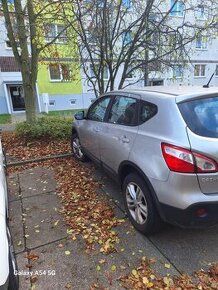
(97, 110)
(123, 111)
(147, 111)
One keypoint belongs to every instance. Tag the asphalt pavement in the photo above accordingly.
(48, 259)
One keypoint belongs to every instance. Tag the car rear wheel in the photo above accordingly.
(139, 205)
(76, 148)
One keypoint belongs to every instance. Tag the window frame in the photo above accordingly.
(175, 12)
(59, 40)
(203, 41)
(175, 69)
(216, 71)
(200, 71)
(92, 75)
(60, 71)
(198, 12)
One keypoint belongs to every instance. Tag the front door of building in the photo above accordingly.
(17, 97)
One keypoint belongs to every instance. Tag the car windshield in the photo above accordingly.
(201, 116)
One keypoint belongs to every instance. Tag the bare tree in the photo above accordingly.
(123, 37)
(24, 22)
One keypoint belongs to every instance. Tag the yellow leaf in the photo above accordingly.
(67, 253)
(134, 272)
(149, 285)
(145, 280)
(167, 266)
(98, 268)
(19, 243)
(56, 223)
(113, 268)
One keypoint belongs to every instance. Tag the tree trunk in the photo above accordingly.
(30, 101)
(146, 70)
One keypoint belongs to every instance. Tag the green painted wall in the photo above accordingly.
(73, 86)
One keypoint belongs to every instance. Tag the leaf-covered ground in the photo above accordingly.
(93, 218)
(20, 149)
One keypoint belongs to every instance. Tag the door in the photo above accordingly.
(117, 135)
(17, 97)
(92, 125)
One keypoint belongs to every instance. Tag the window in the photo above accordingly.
(147, 111)
(201, 116)
(52, 103)
(177, 8)
(127, 3)
(201, 12)
(53, 30)
(199, 70)
(123, 111)
(216, 71)
(201, 42)
(60, 72)
(73, 102)
(8, 44)
(98, 109)
(177, 71)
(94, 74)
(129, 74)
(127, 38)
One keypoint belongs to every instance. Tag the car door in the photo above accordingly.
(118, 133)
(90, 127)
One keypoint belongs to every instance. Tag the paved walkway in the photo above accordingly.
(15, 118)
(41, 240)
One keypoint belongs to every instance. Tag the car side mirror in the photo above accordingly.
(79, 115)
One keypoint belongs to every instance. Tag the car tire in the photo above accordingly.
(76, 148)
(139, 205)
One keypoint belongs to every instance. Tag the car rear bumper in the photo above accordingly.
(196, 215)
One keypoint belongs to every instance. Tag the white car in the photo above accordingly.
(8, 280)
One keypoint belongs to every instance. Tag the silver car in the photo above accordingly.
(161, 144)
(8, 266)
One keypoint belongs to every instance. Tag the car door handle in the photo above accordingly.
(124, 139)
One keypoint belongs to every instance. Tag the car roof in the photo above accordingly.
(180, 93)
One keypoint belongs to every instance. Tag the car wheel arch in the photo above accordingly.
(127, 167)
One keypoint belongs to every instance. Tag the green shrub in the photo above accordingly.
(49, 127)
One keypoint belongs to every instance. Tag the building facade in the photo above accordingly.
(62, 84)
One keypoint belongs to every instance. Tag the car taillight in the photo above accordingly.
(182, 160)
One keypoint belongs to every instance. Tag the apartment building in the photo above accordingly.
(59, 85)
(62, 84)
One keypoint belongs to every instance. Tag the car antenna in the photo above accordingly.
(207, 85)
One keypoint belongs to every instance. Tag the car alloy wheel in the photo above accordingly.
(139, 204)
(136, 203)
(76, 148)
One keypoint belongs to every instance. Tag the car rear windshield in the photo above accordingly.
(201, 116)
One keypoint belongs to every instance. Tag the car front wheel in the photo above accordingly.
(139, 205)
(76, 148)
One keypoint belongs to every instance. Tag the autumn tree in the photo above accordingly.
(124, 37)
(24, 20)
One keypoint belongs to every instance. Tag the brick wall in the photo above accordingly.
(8, 64)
